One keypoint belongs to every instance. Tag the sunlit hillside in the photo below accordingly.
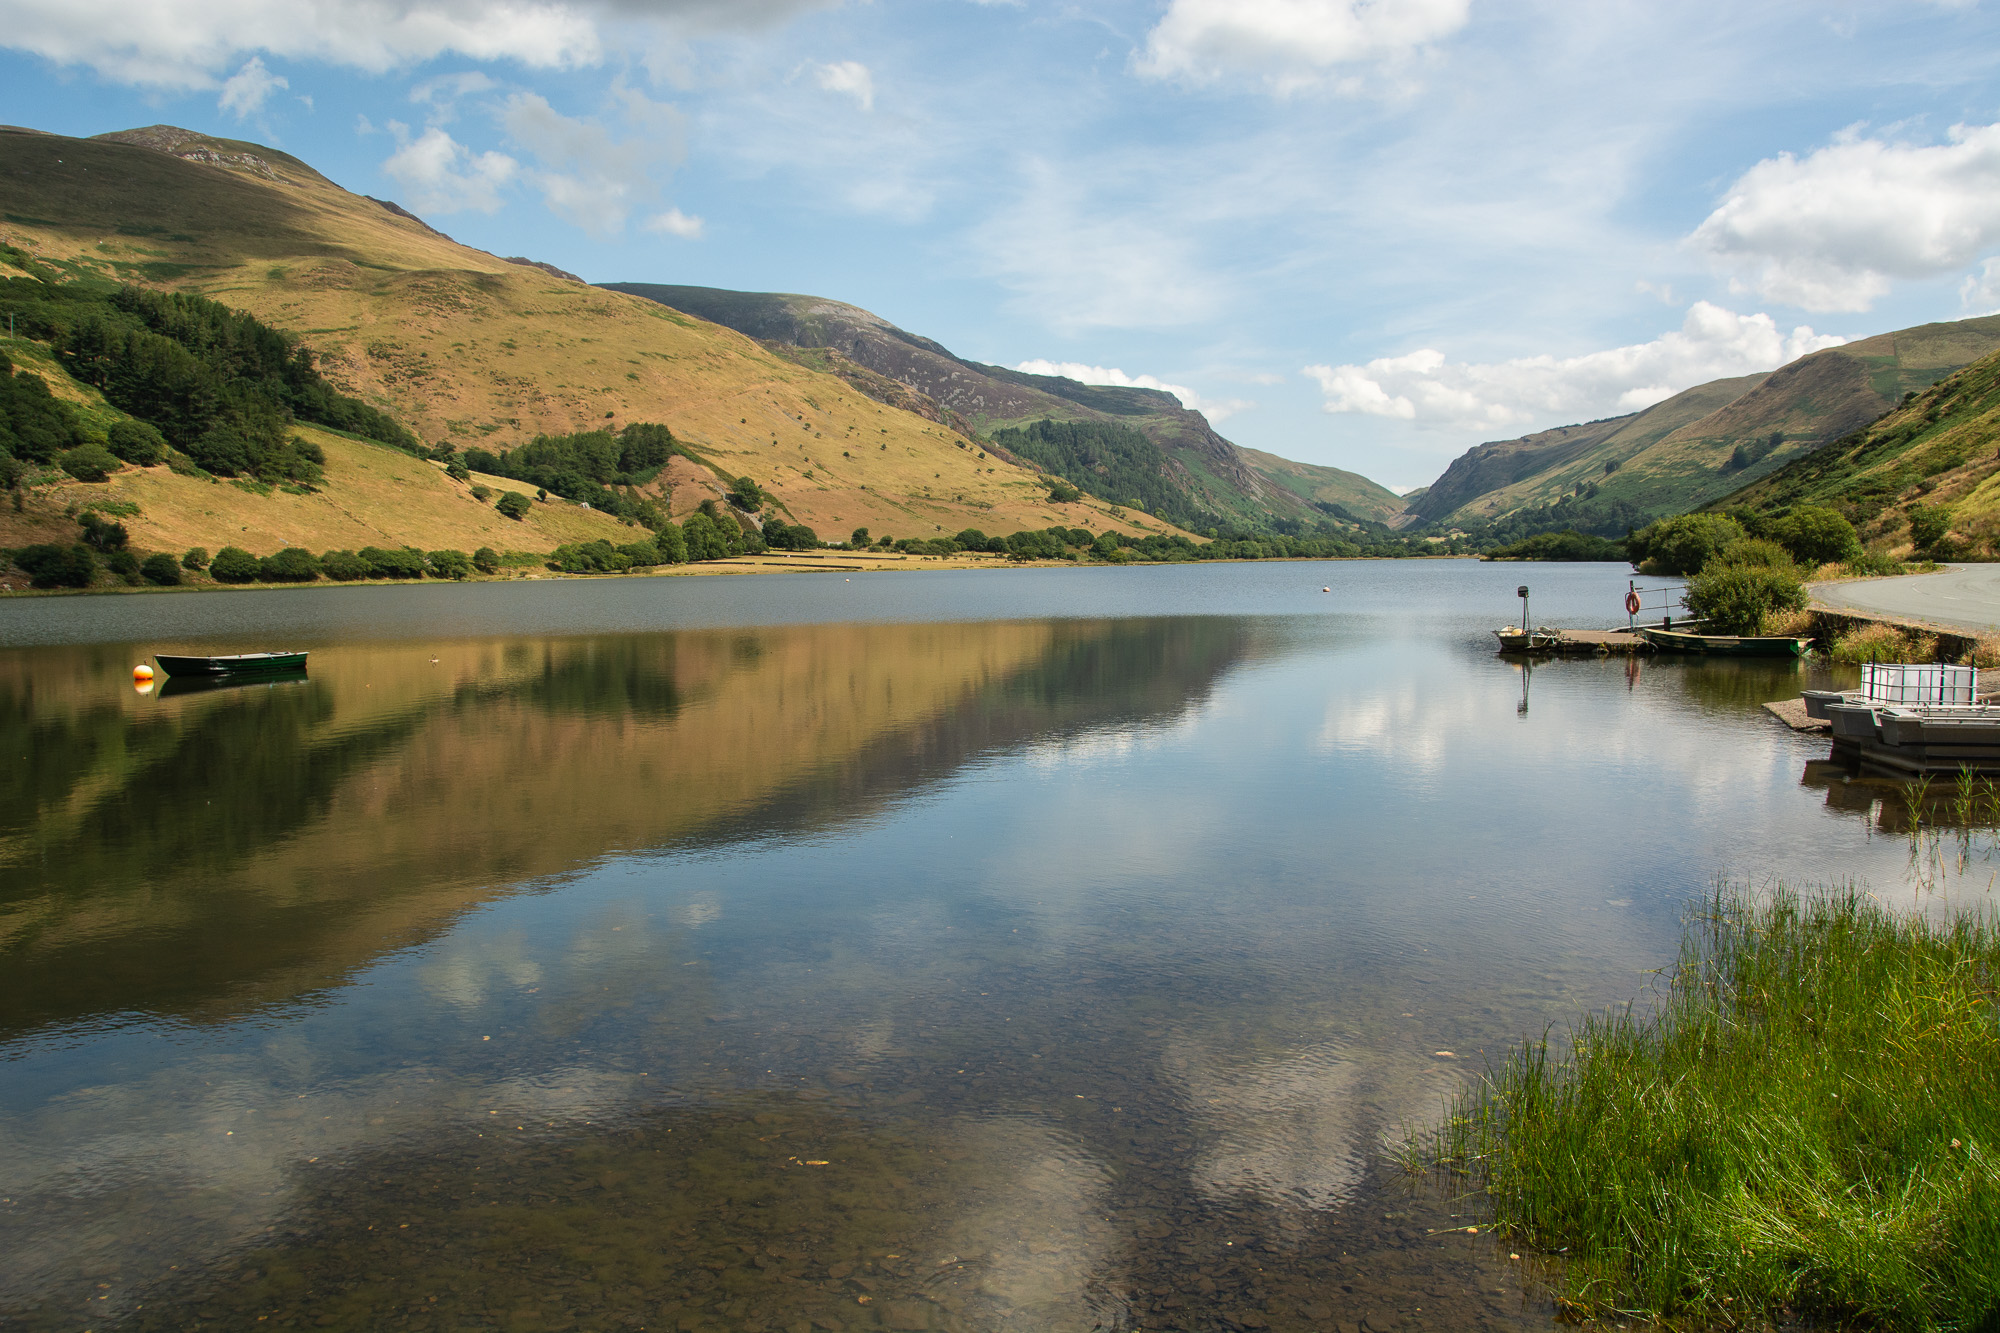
(1210, 479)
(469, 348)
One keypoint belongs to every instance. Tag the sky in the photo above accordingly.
(1365, 233)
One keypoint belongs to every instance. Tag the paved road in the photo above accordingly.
(1963, 597)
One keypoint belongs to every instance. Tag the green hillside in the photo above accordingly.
(1320, 485)
(1213, 479)
(1932, 458)
(1698, 445)
(462, 348)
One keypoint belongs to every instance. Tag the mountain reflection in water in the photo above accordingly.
(274, 839)
(1015, 973)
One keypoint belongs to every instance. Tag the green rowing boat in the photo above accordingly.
(1724, 645)
(236, 664)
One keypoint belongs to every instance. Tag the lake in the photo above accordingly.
(984, 950)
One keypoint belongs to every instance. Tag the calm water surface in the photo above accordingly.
(1001, 950)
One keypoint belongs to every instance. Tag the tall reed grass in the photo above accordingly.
(1877, 642)
(1808, 1119)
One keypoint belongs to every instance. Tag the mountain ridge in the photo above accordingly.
(1217, 475)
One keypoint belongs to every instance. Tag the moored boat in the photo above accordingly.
(1514, 639)
(230, 665)
(1724, 645)
(1519, 638)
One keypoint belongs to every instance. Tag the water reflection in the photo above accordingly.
(178, 685)
(1027, 974)
(275, 838)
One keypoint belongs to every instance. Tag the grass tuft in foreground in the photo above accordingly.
(1809, 1120)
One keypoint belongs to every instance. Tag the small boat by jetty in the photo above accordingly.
(1514, 639)
(234, 664)
(1520, 639)
(1724, 645)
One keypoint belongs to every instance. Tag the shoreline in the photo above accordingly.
(735, 566)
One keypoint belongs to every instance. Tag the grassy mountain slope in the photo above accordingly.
(373, 495)
(1498, 478)
(1217, 477)
(1315, 482)
(1937, 448)
(466, 347)
(1704, 442)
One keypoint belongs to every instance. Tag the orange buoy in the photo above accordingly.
(141, 674)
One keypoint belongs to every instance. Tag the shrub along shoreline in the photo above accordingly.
(103, 558)
(1746, 572)
(1807, 1122)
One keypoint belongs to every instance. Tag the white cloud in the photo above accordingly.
(1830, 230)
(1423, 387)
(673, 222)
(1980, 292)
(850, 77)
(441, 95)
(1079, 262)
(188, 43)
(1215, 409)
(185, 43)
(1292, 44)
(441, 175)
(587, 175)
(245, 92)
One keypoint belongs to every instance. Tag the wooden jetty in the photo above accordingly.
(1584, 643)
(1531, 640)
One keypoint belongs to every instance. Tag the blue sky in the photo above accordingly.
(1369, 233)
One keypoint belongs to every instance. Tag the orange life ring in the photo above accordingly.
(1632, 602)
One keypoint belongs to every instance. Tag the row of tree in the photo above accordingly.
(1319, 542)
(296, 565)
(1568, 545)
(104, 550)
